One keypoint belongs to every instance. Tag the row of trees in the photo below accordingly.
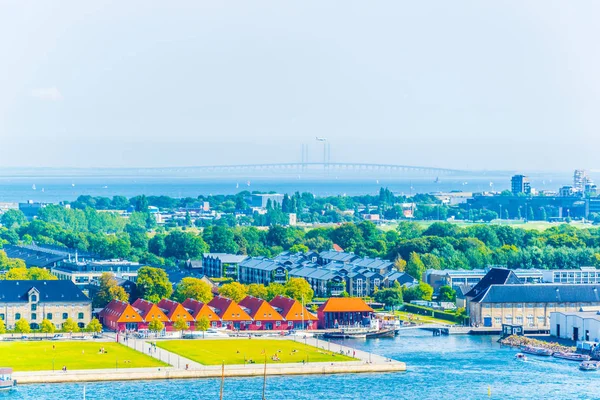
(46, 326)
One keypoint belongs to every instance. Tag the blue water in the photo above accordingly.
(455, 367)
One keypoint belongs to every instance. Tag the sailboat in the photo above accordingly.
(237, 185)
(33, 187)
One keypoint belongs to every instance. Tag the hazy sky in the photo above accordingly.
(462, 84)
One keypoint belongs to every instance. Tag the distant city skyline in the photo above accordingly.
(462, 85)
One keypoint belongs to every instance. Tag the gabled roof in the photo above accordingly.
(228, 310)
(345, 304)
(333, 255)
(226, 258)
(121, 311)
(62, 291)
(291, 309)
(174, 310)
(259, 309)
(495, 276)
(540, 293)
(198, 309)
(149, 311)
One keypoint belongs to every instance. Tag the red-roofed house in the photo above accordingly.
(197, 310)
(119, 316)
(296, 316)
(344, 311)
(173, 310)
(263, 314)
(149, 311)
(230, 313)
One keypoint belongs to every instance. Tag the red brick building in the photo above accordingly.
(197, 310)
(296, 316)
(149, 311)
(120, 316)
(344, 311)
(231, 314)
(174, 311)
(264, 316)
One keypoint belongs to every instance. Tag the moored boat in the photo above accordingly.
(571, 356)
(6, 380)
(385, 332)
(537, 351)
(589, 365)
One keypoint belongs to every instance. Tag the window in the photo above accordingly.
(18, 316)
(519, 320)
(530, 320)
(33, 298)
(519, 305)
(2, 317)
(214, 324)
(33, 307)
(277, 323)
(508, 319)
(497, 305)
(33, 316)
(258, 323)
(49, 315)
(540, 320)
(497, 321)
(81, 325)
(80, 315)
(65, 315)
(487, 305)
(290, 323)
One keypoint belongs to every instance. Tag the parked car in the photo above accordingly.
(59, 336)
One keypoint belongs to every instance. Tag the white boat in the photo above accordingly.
(537, 351)
(6, 380)
(571, 356)
(521, 356)
(589, 365)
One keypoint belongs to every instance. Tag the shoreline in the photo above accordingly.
(231, 371)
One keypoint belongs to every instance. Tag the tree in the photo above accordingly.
(16, 274)
(184, 245)
(70, 326)
(40, 274)
(447, 294)
(94, 326)
(47, 326)
(299, 289)
(2, 326)
(22, 326)
(118, 293)
(415, 266)
(530, 216)
(400, 264)
(422, 291)
(193, 288)
(299, 248)
(258, 290)
(203, 324)
(154, 284)
(181, 325)
(391, 297)
(109, 290)
(13, 218)
(234, 290)
(156, 326)
(220, 239)
(277, 289)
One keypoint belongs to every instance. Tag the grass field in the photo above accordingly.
(215, 352)
(39, 356)
(405, 316)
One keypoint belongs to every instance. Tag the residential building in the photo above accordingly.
(264, 316)
(31, 208)
(344, 311)
(295, 314)
(581, 275)
(175, 311)
(150, 311)
(222, 265)
(579, 326)
(231, 314)
(262, 270)
(197, 310)
(580, 179)
(85, 273)
(500, 298)
(35, 301)
(120, 316)
(520, 184)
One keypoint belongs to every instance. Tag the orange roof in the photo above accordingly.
(198, 310)
(174, 310)
(345, 304)
(260, 310)
(149, 311)
(291, 309)
(122, 311)
(228, 310)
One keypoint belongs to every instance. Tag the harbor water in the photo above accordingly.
(446, 367)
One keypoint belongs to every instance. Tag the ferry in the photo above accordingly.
(537, 351)
(589, 365)
(348, 333)
(572, 356)
(6, 380)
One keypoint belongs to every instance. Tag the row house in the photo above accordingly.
(120, 316)
(264, 316)
(198, 310)
(174, 312)
(149, 312)
(232, 316)
(296, 316)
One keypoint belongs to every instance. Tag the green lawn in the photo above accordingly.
(215, 352)
(404, 316)
(38, 356)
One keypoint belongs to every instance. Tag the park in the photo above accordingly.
(48, 356)
(243, 351)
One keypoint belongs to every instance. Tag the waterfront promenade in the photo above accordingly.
(182, 367)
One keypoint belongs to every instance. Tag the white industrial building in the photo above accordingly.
(583, 326)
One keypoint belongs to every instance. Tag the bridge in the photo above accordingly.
(298, 167)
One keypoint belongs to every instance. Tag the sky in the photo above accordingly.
(455, 84)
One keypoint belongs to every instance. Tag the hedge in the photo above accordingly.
(413, 308)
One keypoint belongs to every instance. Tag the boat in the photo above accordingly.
(571, 356)
(6, 380)
(521, 356)
(383, 332)
(389, 321)
(348, 333)
(589, 365)
(536, 351)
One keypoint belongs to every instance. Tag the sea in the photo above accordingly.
(438, 367)
(55, 185)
